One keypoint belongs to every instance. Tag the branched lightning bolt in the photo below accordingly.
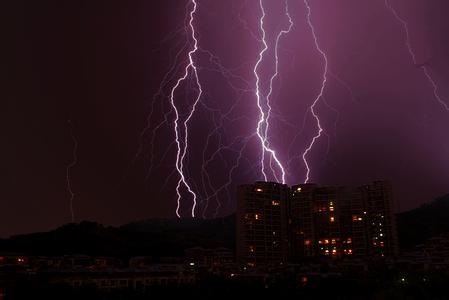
(68, 169)
(318, 97)
(263, 123)
(413, 55)
(182, 146)
(276, 56)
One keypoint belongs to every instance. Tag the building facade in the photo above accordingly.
(276, 223)
(262, 215)
(342, 221)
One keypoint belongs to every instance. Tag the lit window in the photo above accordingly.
(381, 234)
(275, 203)
(320, 242)
(333, 241)
(256, 216)
(334, 252)
(259, 190)
(349, 241)
(331, 208)
(298, 189)
(332, 219)
(326, 241)
(364, 212)
(307, 242)
(251, 249)
(349, 251)
(356, 218)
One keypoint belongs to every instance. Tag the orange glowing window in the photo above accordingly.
(275, 203)
(256, 216)
(333, 241)
(332, 219)
(349, 241)
(259, 190)
(307, 242)
(326, 241)
(356, 218)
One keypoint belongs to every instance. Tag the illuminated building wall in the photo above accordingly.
(381, 224)
(315, 217)
(342, 221)
(262, 223)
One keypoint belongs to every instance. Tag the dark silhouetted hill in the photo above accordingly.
(429, 220)
(148, 238)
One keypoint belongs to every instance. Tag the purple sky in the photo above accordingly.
(99, 63)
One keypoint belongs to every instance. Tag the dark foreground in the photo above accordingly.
(431, 287)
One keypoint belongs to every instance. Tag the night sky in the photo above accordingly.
(96, 67)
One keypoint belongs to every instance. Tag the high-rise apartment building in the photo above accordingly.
(342, 221)
(381, 227)
(276, 223)
(262, 210)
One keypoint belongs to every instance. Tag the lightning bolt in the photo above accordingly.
(276, 73)
(183, 145)
(413, 55)
(320, 94)
(68, 169)
(263, 123)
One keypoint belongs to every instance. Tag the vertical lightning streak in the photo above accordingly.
(276, 50)
(413, 55)
(262, 116)
(318, 97)
(68, 169)
(182, 150)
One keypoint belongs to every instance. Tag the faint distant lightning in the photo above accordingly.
(323, 86)
(263, 116)
(182, 149)
(68, 169)
(413, 55)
